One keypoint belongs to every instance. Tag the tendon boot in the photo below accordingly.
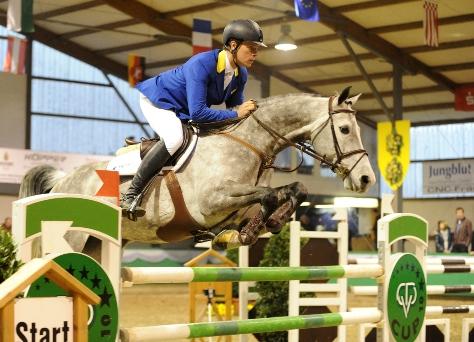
(151, 164)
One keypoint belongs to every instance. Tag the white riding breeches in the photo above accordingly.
(164, 122)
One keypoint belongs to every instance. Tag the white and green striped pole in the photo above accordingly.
(155, 275)
(251, 326)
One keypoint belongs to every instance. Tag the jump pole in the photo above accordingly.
(259, 325)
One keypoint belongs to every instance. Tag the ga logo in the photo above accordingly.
(406, 298)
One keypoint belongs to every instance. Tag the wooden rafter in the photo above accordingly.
(365, 56)
(407, 109)
(75, 50)
(379, 46)
(68, 9)
(149, 16)
(104, 27)
(382, 75)
(346, 79)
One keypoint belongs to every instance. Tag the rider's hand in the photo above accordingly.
(246, 108)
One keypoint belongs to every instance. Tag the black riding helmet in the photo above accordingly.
(243, 30)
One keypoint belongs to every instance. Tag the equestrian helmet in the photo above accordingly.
(243, 30)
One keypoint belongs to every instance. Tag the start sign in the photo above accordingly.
(34, 323)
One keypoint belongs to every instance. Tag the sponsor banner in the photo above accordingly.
(14, 163)
(444, 177)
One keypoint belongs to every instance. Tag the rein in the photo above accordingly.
(335, 165)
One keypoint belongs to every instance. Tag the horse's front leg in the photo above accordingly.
(231, 196)
(237, 196)
(291, 195)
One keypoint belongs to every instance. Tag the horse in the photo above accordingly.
(229, 172)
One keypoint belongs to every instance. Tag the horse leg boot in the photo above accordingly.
(292, 196)
(151, 164)
(248, 235)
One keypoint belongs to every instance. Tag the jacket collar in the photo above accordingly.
(221, 59)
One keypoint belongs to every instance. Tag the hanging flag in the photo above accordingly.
(110, 185)
(393, 151)
(15, 57)
(464, 98)
(136, 69)
(430, 22)
(307, 10)
(202, 35)
(20, 16)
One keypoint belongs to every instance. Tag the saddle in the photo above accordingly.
(147, 144)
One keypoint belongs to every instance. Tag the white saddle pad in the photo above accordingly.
(127, 159)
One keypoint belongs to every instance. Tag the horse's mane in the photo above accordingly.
(285, 97)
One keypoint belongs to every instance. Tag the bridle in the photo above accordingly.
(335, 164)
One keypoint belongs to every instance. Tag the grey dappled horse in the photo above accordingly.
(227, 175)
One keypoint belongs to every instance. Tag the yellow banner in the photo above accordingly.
(393, 151)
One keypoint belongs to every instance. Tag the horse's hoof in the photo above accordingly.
(273, 226)
(227, 239)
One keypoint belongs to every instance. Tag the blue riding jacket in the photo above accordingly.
(190, 89)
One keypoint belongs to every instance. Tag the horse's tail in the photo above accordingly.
(39, 180)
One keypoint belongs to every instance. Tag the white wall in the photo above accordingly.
(12, 110)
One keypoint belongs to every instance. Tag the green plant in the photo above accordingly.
(273, 299)
(8, 262)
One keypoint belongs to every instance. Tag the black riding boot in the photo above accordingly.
(151, 164)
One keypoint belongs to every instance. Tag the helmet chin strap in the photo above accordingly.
(234, 52)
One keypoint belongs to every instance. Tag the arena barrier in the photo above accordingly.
(399, 288)
(392, 228)
(252, 326)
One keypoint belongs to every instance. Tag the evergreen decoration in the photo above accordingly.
(8, 262)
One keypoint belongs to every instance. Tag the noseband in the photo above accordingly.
(336, 164)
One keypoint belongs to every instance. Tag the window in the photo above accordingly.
(77, 108)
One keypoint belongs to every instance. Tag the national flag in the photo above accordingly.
(464, 98)
(202, 35)
(136, 69)
(307, 10)
(20, 16)
(15, 57)
(430, 22)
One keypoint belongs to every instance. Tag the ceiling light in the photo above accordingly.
(285, 42)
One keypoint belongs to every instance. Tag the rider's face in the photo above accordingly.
(246, 54)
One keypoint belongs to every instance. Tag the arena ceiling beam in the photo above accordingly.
(364, 56)
(408, 109)
(105, 27)
(68, 9)
(154, 19)
(134, 21)
(346, 79)
(382, 75)
(378, 45)
(159, 40)
(75, 50)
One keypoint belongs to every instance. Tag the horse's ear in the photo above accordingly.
(353, 99)
(344, 95)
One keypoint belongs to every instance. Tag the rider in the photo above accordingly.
(186, 93)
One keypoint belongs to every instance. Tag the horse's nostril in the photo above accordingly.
(365, 179)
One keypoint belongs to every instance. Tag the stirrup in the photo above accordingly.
(132, 212)
(202, 235)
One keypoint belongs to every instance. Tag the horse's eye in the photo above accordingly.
(344, 129)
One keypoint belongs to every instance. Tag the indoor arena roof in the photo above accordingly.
(381, 32)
